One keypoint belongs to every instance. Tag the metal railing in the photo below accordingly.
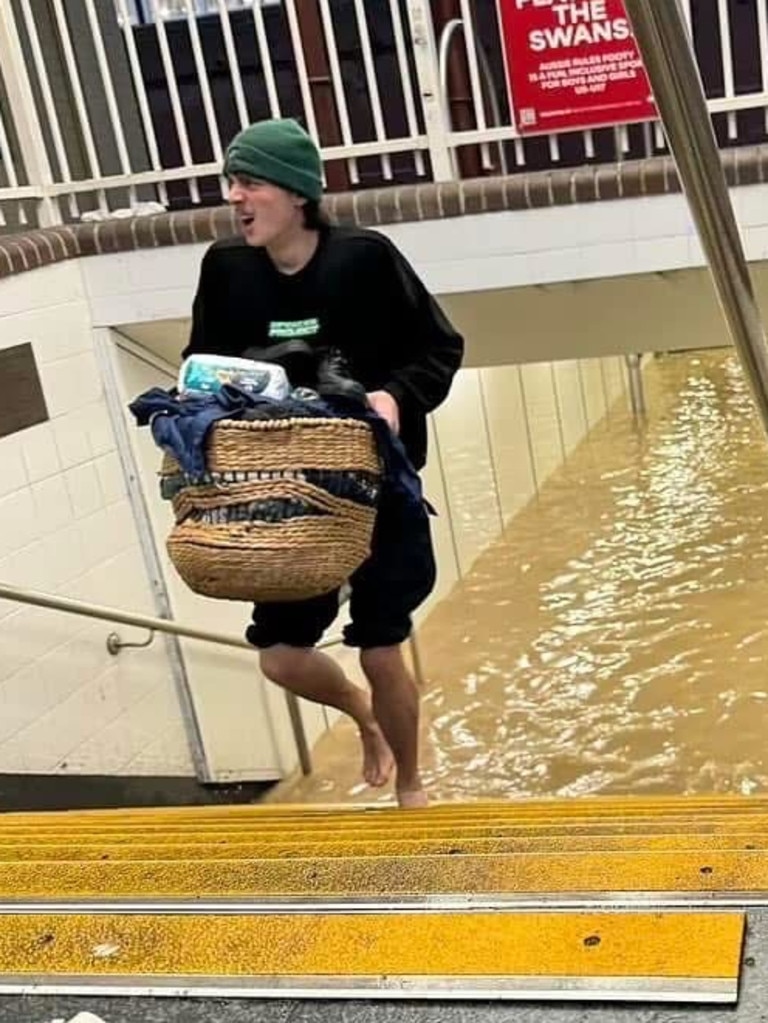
(106, 103)
(115, 644)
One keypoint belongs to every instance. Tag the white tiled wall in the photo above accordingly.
(501, 434)
(244, 720)
(467, 468)
(66, 526)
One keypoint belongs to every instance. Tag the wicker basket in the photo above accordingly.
(257, 528)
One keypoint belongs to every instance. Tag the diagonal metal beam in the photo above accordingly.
(662, 35)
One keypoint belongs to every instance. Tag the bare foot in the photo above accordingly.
(412, 799)
(378, 761)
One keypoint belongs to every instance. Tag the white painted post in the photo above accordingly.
(428, 74)
(24, 115)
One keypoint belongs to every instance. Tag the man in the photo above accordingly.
(292, 276)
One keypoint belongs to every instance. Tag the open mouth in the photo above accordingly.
(247, 221)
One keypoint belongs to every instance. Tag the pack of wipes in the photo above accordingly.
(207, 374)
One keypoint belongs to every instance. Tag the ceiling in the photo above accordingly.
(612, 316)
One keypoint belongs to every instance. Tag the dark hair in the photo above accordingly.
(314, 215)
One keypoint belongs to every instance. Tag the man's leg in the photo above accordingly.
(396, 579)
(314, 676)
(396, 708)
(286, 635)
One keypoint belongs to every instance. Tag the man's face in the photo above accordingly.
(265, 211)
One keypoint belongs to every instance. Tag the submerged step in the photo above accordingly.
(595, 956)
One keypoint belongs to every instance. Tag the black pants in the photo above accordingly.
(397, 577)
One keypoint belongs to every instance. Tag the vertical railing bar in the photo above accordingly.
(202, 76)
(727, 55)
(338, 85)
(109, 88)
(35, 160)
(141, 95)
(554, 148)
(470, 41)
(234, 67)
(589, 144)
(373, 84)
(647, 139)
(617, 143)
(173, 92)
(79, 96)
(659, 136)
(426, 58)
(519, 153)
(301, 67)
(762, 35)
(266, 59)
(7, 156)
(50, 107)
(405, 75)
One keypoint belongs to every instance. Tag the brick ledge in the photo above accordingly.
(378, 207)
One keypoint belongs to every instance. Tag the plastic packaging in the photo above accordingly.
(207, 374)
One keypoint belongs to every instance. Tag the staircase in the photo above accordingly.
(628, 899)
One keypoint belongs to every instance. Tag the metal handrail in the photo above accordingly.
(111, 614)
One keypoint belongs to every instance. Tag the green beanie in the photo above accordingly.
(278, 151)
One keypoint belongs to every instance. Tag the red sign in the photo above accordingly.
(573, 64)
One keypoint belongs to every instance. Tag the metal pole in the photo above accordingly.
(662, 36)
(636, 386)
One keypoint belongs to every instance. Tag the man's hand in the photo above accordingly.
(385, 405)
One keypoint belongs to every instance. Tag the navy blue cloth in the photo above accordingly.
(180, 427)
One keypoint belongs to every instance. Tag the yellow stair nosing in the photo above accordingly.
(576, 945)
(684, 872)
(284, 848)
(628, 809)
(599, 804)
(397, 828)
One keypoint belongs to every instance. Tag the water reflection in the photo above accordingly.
(614, 639)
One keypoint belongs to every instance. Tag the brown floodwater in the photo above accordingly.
(614, 640)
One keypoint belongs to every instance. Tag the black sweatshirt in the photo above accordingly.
(358, 294)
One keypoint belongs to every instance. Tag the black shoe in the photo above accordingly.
(298, 359)
(335, 381)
